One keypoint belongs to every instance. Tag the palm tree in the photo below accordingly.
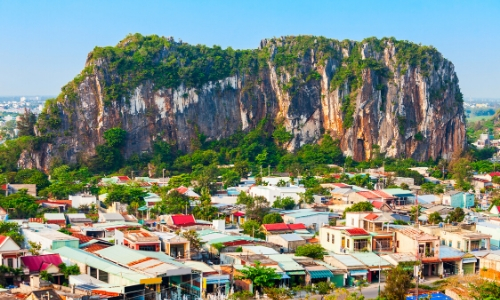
(134, 206)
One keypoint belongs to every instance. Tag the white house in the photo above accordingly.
(311, 219)
(271, 193)
(10, 252)
(82, 199)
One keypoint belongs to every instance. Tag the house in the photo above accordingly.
(343, 239)
(495, 210)
(271, 193)
(426, 246)
(341, 194)
(355, 270)
(100, 268)
(452, 260)
(181, 220)
(110, 217)
(52, 218)
(370, 196)
(187, 192)
(83, 200)
(403, 197)
(289, 241)
(45, 294)
(490, 228)
(14, 188)
(376, 265)
(381, 206)
(481, 184)
(173, 244)
(140, 239)
(35, 264)
(10, 252)
(78, 219)
(311, 219)
(281, 228)
(458, 199)
(382, 240)
(48, 238)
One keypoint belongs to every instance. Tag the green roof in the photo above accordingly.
(232, 239)
(398, 192)
(320, 274)
(296, 273)
(93, 261)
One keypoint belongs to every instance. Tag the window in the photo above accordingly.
(333, 239)
(327, 237)
(348, 243)
(147, 248)
(10, 263)
(360, 245)
(93, 272)
(103, 276)
(443, 242)
(352, 222)
(458, 245)
(449, 243)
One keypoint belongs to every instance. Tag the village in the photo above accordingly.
(348, 236)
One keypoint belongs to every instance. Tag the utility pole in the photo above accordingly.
(163, 172)
(268, 170)
(261, 171)
(6, 187)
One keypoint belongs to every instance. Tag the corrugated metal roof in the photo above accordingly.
(39, 263)
(371, 259)
(347, 260)
(200, 266)
(290, 266)
(54, 216)
(291, 237)
(99, 263)
(212, 236)
(448, 252)
(307, 214)
(260, 250)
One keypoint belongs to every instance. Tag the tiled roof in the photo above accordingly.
(378, 204)
(356, 231)
(183, 220)
(123, 178)
(276, 227)
(83, 238)
(371, 217)
(41, 262)
(383, 194)
(368, 195)
(182, 189)
(95, 247)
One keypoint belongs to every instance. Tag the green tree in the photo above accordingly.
(413, 212)
(205, 211)
(274, 293)
(20, 205)
(124, 194)
(26, 123)
(456, 215)
(252, 228)
(261, 276)
(194, 239)
(32, 176)
(115, 137)
(485, 290)
(324, 288)
(397, 284)
(34, 248)
(435, 218)
(284, 203)
(310, 250)
(230, 178)
(46, 276)
(69, 270)
(257, 209)
(12, 230)
(218, 247)
(272, 218)
(360, 206)
(244, 198)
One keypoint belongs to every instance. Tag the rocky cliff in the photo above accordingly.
(386, 96)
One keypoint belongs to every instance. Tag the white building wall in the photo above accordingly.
(317, 220)
(79, 200)
(325, 238)
(35, 237)
(355, 219)
(273, 192)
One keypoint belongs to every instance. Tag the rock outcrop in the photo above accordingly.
(386, 96)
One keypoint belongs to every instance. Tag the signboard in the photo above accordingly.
(204, 283)
(156, 280)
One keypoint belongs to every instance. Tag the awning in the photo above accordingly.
(223, 279)
(469, 260)
(358, 272)
(284, 275)
(296, 273)
(320, 274)
(142, 208)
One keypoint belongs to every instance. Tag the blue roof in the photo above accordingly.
(448, 252)
(435, 296)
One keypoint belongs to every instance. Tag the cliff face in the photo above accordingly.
(382, 96)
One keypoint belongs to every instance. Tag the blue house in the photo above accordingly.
(458, 199)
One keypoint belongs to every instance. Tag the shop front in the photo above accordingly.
(355, 276)
(469, 264)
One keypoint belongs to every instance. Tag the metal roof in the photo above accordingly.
(291, 237)
(449, 252)
(54, 216)
(371, 259)
(99, 263)
(307, 214)
(260, 250)
(347, 260)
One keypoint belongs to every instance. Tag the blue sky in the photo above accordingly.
(44, 44)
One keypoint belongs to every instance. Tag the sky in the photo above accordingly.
(44, 44)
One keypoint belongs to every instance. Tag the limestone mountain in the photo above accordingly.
(374, 96)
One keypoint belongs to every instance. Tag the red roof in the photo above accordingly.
(83, 238)
(383, 194)
(183, 220)
(368, 195)
(492, 174)
(498, 208)
(3, 238)
(182, 189)
(276, 227)
(95, 247)
(41, 262)
(297, 226)
(341, 185)
(239, 214)
(356, 231)
(123, 178)
(377, 204)
(371, 217)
